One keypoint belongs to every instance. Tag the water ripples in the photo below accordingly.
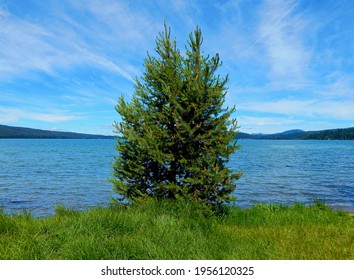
(36, 175)
(296, 171)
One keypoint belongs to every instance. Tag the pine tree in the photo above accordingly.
(176, 135)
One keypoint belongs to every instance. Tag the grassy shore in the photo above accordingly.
(180, 230)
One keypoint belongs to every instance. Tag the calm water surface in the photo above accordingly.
(289, 171)
(36, 175)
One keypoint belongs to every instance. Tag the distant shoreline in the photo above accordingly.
(60, 138)
(329, 134)
(12, 132)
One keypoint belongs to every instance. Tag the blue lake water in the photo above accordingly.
(36, 175)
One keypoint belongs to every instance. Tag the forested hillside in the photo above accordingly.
(22, 132)
(329, 134)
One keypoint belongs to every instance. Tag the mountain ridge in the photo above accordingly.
(32, 133)
(292, 131)
(298, 134)
(294, 134)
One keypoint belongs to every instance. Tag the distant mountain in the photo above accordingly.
(23, 132)
(292, 131)
(297, 134)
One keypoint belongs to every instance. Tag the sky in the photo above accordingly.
(64, 64)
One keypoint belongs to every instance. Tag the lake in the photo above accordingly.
(38, 174)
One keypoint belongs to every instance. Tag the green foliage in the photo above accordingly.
(177, 137)
(180, 230)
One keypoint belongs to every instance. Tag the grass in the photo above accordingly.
(180, 230)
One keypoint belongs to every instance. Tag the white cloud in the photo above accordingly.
(341, 87)
(251, 124)
(28, 46)
(23, 47)
(265, 121)
(3, 11)
(122, 22)
(106, 63)
(279, 124)
(281, 32)
(11, 115)
(341, 110)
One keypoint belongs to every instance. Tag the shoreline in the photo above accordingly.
(20, 212)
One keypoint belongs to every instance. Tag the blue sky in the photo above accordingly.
(64, 64)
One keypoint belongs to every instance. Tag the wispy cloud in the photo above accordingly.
(11, 115)
(29, 46)
(280, 31)
(341, 87)
(261, 121)
(3, 11)
(305, 108)
(122, 22)
(24, 47)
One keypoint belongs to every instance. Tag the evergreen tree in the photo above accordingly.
(176, 137)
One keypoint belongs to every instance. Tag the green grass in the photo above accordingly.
(180, 230)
